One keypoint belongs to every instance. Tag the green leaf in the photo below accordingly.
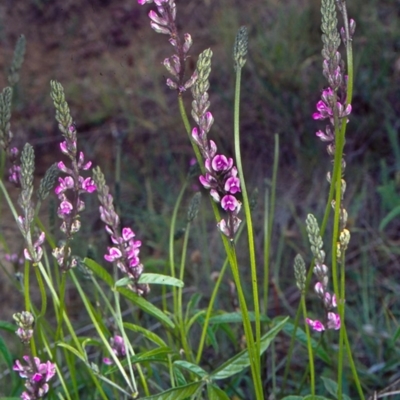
(191, 367)
(5, 353)
(235, 318)
(389, 217)
(10, 398)
(123, 281)
(8, 359)
(241, 361)
(146, 306)
(159, 354)
(152, 356)
(72, 350)
(146, 333)
(193, 319)
(301, 337)
(99, 271)
(8, 326)
(293, 398)
(179, 393)
(332, 387)
(158, 279)
(396, 335)
(215, 393)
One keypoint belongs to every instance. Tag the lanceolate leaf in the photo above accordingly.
(332, 387)
(241, 361)
(146, 333)
(191, 367)
(215, 393)
(179, 393)
(146, 306)
(8, 326)
(158, 279)
(99, 271)
(235, 317)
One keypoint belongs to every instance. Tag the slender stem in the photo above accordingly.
(229, 249)
(309, 346)
(171, 244)
(270, 212)
(181, 321)
(246, 204)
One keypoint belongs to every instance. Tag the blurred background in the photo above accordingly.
(109, 61)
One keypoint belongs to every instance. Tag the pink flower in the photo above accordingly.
(333, 321)
(229, 203)
(221, 163)
(113, 254)
(315, 325)
(232, 185)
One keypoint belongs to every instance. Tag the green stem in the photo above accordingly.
(254, 358)
(270, 212)
(309, 345)
(171, 245)
(246, 204)
(181, 321)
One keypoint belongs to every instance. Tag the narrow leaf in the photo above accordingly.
(215, 393)
(158, 279)
(146, 333)
(179, 393)
(191, 367)
(235, 318)
(241, 361)
(99, 271)
(8, 326)
(332, 387)
(146, 306)
(72, 350)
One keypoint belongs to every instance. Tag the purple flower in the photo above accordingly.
(221, 163)
(333, 321)
(232, 185)
(35, 252)
(229, 203)
(113, 254)
(64, 184)
(37, 376)
(87, 184)
(315, 325)
(118, 347)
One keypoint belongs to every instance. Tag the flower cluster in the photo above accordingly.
(33, 251)
(321, 287)
(70, 206)
(37, 376)
(220, 173)
(334, 103)
(71, 187)
(118, 347)
(163, 21)
(125, 249)
(25, 322)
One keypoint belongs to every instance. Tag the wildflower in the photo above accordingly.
(118, 347)
(163, 21)
(71, 187)
(37, 376)
(35, 252)
(315, 325)
(25, 322)
(125, 252)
